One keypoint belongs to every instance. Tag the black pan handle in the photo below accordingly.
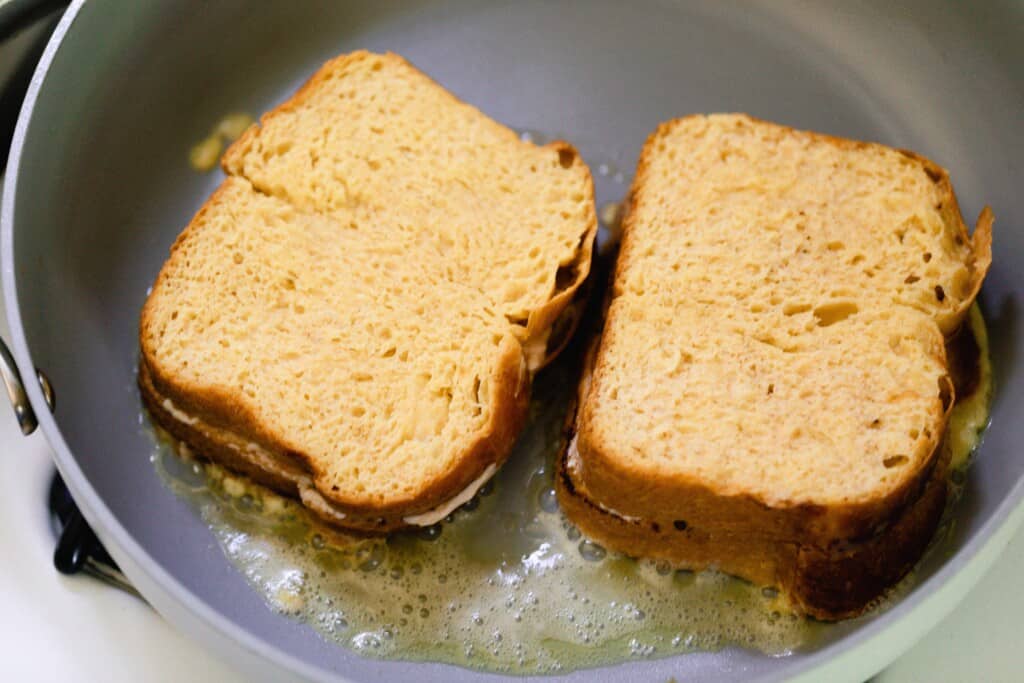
(16, 15)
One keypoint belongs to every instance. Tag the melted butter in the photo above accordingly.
(204, 155)
(969, 417)
(505, 584)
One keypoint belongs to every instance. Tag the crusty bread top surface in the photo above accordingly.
(359, 291)
(776, 323)
(515, 219)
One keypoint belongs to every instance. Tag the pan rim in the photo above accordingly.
(929, 603)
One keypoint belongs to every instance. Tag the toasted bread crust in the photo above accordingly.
(605, 474)
(289, 473)
(832, 560)
(510, 399)
(824, 574)
(227, 418)
(832, 582)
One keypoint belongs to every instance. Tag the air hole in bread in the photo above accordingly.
(566, 157)
(926, 257)
(794, 309)
(832, 313)
(513, 292)
(679, 524)
(940, 293)
(911, 279)
(895, 461)
(875, 424)
(655, 527)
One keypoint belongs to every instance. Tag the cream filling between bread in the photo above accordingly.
(313, 499)
(441, 511)
(261, 457)
(572, 463)
(179, 415)
(535, 350)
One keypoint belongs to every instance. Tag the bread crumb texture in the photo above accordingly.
(358, 291)
(777, 323)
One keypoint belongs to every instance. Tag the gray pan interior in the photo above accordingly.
(100, 186)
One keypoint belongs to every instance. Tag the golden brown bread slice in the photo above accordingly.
(378, 134)
(771, 389)
(355, 315)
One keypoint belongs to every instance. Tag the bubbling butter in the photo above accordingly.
(507, 583)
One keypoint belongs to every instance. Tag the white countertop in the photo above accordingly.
(58, 628)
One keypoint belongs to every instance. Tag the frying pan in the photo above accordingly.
(98, 186)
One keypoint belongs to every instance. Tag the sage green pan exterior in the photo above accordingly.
(99, 185)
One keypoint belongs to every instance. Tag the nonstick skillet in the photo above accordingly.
(98, 186)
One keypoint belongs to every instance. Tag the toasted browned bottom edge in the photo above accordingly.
(288, 476)
(829, 583)
(832, 581)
